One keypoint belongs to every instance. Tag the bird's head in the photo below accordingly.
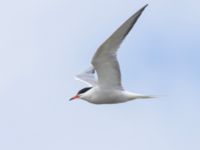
(80, 93)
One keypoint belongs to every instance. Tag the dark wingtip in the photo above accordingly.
(144, 7)
(139, 12)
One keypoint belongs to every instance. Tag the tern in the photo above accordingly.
(108, 88)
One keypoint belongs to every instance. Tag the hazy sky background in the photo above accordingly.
(44, 43)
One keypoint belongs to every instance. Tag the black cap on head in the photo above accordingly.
(84, 90)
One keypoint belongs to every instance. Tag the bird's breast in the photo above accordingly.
(103, 96)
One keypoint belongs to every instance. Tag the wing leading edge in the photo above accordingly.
(105, 59)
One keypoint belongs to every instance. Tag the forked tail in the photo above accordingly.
(146, 96)
(131, 95)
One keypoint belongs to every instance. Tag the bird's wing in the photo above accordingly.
(105, 59)
(87, 77)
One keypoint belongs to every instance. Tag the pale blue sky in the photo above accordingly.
(44, 43)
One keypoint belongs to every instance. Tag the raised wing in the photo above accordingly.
(105, 59)
(87, 77)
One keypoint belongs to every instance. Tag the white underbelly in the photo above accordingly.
(106, 96)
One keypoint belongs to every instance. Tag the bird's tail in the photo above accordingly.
(147, 96)
(131, 95)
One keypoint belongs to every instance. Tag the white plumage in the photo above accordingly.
(108, 88)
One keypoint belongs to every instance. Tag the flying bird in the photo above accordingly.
(108, 88)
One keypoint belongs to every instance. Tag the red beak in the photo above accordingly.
(75, 97)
